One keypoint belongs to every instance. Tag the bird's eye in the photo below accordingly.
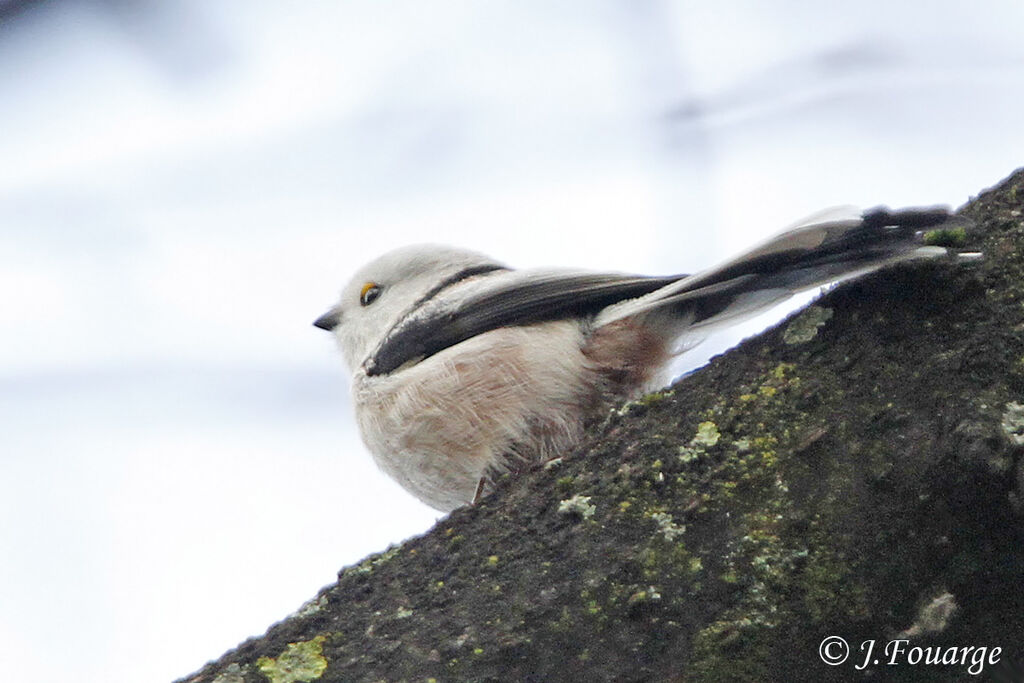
(369, 293)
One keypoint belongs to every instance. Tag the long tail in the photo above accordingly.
(817, 251)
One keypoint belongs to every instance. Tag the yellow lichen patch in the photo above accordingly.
(299, 663)
(783, 370)
(707, 434)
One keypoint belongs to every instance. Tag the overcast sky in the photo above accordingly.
(184, 187)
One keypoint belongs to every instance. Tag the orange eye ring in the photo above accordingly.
(369, 293)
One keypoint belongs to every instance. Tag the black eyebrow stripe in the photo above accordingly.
(458, 277)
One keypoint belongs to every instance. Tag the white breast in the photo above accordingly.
(438, 425)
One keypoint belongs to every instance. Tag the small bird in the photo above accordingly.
(464, 369)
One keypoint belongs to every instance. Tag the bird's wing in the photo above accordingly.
(500, 299)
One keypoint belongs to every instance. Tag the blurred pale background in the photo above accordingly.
(185, 185)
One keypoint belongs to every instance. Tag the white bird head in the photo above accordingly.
(387, 289)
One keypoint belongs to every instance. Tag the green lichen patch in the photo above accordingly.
(311, 607)
(299, 663)
(805, 326)
(577, 505)
(667, 526)
(374, 561)
(1013, 423)
(707, 435)
(946, 237)
(933, 617)
(231, 674)
(645, 401)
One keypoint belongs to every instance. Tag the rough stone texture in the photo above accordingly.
(862, 482)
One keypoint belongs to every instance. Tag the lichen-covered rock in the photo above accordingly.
(857, 478)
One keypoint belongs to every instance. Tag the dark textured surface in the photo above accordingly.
(785, 493)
